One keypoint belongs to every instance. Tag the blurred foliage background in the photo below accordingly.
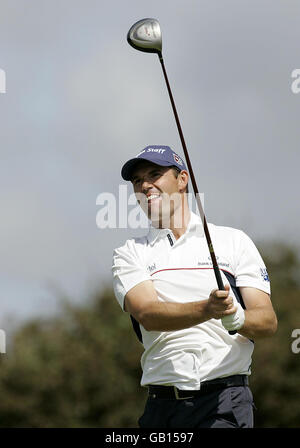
(82, 367)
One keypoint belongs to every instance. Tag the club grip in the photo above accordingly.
(219, 278)
(221, 288)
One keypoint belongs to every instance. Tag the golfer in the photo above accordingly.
(195, 371)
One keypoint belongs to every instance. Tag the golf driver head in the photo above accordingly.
(145, 35)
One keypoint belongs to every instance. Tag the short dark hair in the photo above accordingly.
(176, 171)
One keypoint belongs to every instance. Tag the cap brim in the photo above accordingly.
(129, 166)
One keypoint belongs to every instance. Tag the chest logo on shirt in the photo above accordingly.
(209, 263)
(151, 267)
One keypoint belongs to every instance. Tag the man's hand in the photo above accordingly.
(220, 304)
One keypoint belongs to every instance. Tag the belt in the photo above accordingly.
(172, 392)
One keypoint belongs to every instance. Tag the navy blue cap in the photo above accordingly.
(158, 154)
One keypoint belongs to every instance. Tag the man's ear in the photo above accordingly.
(183, 178)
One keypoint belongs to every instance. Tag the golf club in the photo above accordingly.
(145, 35)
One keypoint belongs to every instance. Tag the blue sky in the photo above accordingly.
(80, 101)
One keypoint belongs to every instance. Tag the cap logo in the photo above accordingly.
(177, 159)
(142, 152)
(159, 150)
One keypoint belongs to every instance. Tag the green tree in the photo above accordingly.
(275, 380)
(82, 368)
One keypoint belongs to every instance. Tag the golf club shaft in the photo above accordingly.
(196, 191)
(203, 218)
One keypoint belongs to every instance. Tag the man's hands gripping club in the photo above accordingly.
(156, 315)
(221, 306)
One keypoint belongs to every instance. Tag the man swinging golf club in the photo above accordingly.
(195, 370)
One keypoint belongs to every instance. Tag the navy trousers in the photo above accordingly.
(231, 407)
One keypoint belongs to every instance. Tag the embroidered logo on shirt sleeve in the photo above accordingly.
(264, 274)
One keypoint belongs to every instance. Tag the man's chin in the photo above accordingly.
(160, 222)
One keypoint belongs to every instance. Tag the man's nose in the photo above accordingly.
(146, 184)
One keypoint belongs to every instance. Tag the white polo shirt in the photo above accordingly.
(181, 271)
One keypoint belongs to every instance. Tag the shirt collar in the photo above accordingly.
(195, 224)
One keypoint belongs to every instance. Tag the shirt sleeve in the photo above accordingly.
(127, 270)
(250, 267)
